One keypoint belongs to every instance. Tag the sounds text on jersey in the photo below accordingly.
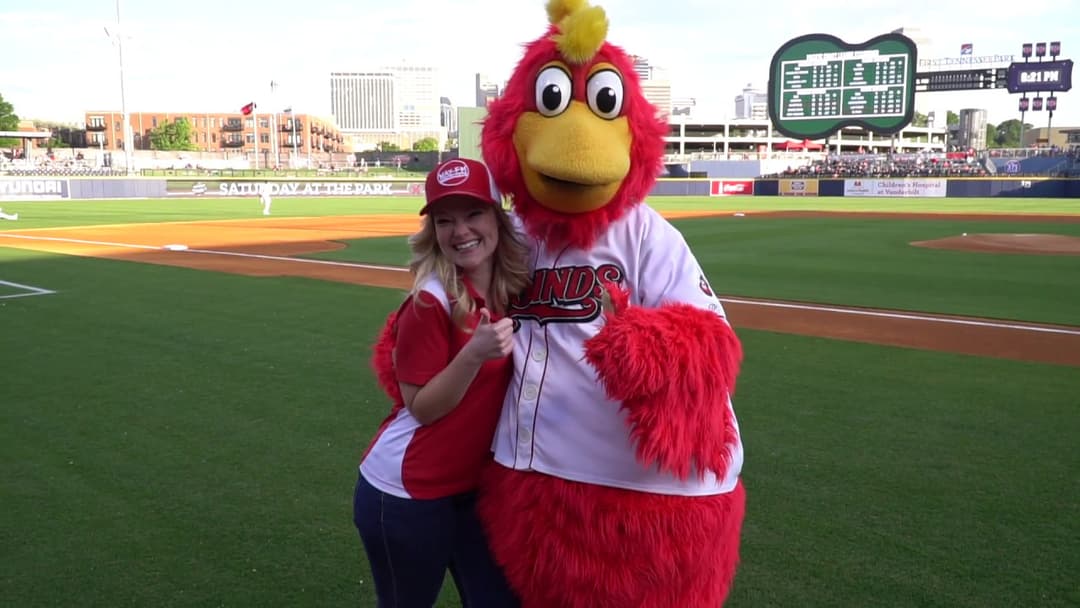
(567, 294)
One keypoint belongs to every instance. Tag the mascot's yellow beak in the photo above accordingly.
(573, 162)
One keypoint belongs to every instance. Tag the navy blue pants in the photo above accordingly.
(411, 544)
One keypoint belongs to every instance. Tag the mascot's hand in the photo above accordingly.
(614, 299)
(672, 368)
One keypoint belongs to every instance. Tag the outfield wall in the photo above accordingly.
(922, 187)
(86, 188)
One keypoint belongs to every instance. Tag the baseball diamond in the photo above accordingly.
(267, 248)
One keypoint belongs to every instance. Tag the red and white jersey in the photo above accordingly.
(409, 460)
(556, 418)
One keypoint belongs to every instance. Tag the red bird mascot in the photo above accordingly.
(617, 455)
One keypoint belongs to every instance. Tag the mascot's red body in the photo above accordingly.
(577, 147)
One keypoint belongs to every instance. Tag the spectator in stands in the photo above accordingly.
(889, 165)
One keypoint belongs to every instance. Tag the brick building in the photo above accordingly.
(233, 132)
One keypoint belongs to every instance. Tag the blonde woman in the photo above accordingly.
(444, 358)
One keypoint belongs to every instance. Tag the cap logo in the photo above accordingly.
(454, 173)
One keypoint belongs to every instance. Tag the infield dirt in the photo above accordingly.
(268, 246)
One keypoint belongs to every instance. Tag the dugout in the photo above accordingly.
(26, 137)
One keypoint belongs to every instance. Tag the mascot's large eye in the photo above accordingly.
(552, 91)
(604, 92)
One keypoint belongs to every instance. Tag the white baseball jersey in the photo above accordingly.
(556, 418)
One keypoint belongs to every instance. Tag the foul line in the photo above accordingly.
(281, 258)
(752, 302)
(79, 241)
(258, 256)
(906, 316)
(30, 289)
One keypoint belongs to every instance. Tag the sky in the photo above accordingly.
(60, 57)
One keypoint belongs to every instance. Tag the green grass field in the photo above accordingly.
(43, 214)
(174, 437)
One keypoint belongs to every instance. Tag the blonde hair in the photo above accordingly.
(509, 276)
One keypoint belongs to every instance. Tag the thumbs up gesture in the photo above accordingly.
(491, 340)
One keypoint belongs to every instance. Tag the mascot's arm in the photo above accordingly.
(673, 368)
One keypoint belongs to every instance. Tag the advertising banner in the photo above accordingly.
(931, 187)
(33, 188)
(729, 187)
(798, 187)
(220, 187)
(859, 187)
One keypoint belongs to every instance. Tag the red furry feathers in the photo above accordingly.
(382, 358)
(676, 385)
(575, 545)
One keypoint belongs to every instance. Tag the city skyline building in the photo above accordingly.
(752, 103)
(448, 117)
(487, 90)
(642, 67)
(398, 105)
(655, 84)
(363, 101)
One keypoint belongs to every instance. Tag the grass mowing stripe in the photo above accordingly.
(201, 451)
(861, 262)
(44, 214)
(894, 477)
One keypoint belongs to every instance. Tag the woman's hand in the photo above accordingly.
(491, 340)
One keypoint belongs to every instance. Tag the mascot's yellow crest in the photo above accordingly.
(582, 28)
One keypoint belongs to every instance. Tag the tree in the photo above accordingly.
(55, 128)
(919, 120)
(426, 144)
(175, 135)
(9, 121)
(952, 118)
(56, 142)
(1007, 134)
(385, 146)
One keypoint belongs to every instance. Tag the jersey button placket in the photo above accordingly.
(534, 370)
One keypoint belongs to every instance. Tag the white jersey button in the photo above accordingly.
(539, 355)
(530, 392)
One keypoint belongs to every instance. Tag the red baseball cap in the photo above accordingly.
(460, 177)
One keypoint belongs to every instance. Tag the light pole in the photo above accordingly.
(129, 151)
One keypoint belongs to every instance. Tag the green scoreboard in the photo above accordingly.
(819, 84)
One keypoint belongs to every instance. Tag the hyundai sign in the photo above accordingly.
(1040, 76)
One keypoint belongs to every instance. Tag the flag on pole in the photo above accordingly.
(966, 48)
(248, 108)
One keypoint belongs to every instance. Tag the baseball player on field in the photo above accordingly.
(264, 198)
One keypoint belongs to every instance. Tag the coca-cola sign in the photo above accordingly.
(731, 187)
